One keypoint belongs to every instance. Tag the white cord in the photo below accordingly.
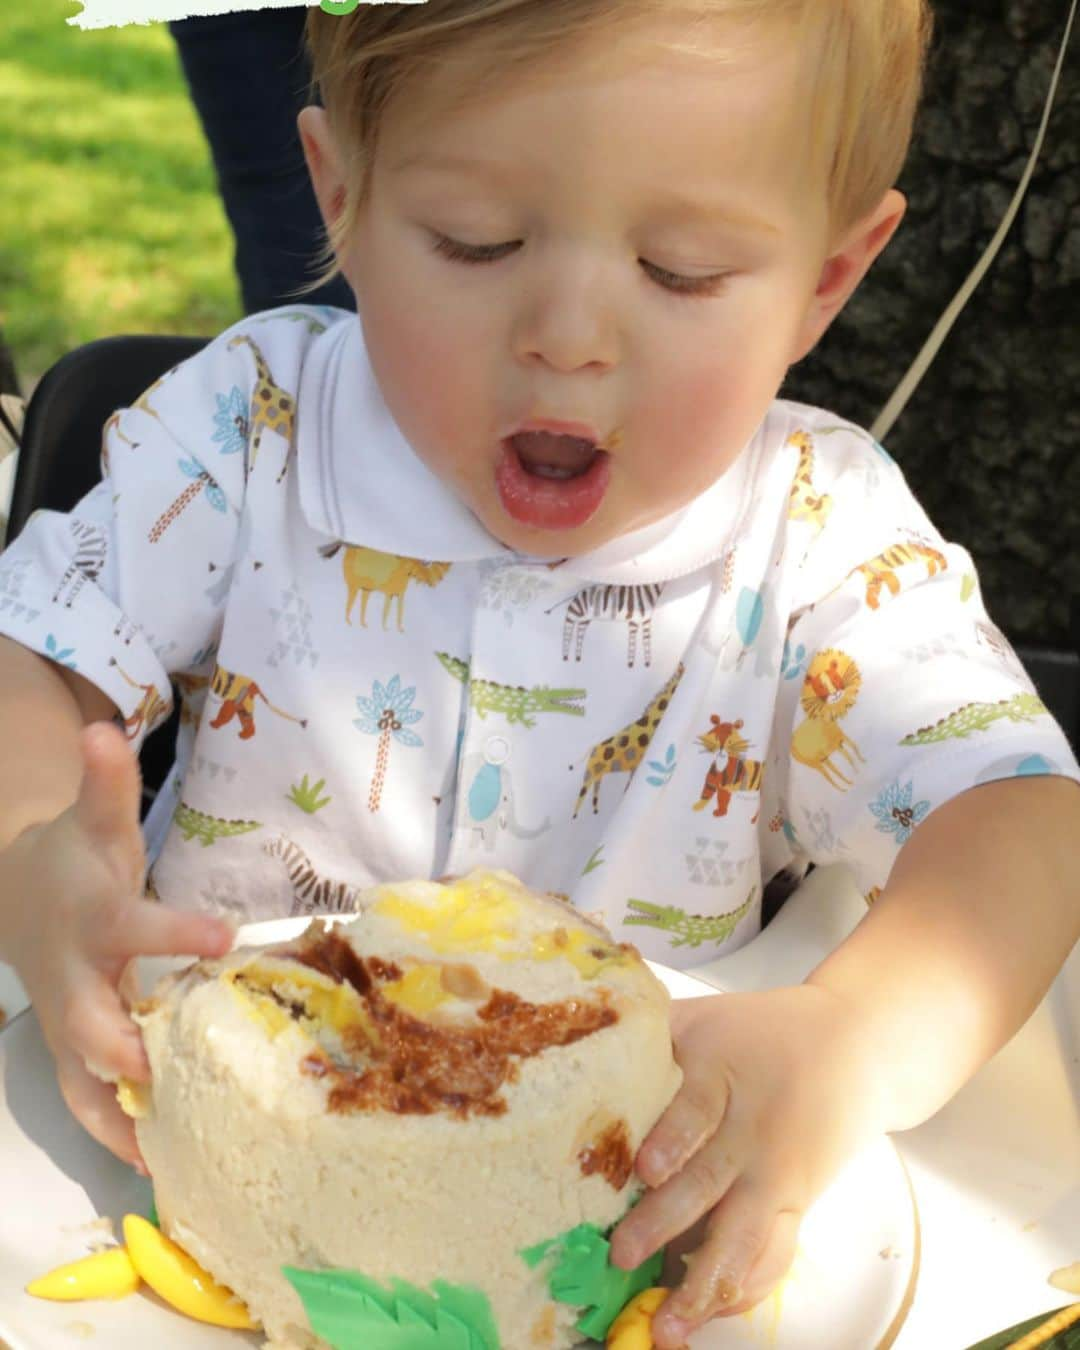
(911, 381)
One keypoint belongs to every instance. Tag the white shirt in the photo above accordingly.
(794, 669)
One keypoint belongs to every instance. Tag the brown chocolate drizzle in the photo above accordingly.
(416, 1067)
(610, 1155)
(329, 954)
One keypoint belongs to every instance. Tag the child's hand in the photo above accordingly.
(779, 1091)
(75, 885)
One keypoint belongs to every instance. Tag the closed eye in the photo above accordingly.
(473, 253)
(674, 282)
(683, 285)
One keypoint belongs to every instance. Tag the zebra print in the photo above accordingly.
(634, 605)
(90, 548)
(87, 564)
(631, 603)
(312, 893)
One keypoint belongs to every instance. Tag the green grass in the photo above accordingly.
(110, 219)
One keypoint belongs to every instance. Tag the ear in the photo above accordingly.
(845, 268)
(323, 162)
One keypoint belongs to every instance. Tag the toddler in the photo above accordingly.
(525, 565)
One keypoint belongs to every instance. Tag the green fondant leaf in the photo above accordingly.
(351, 1311)
(582, 1275)
(421, 1307)
(1066, 1339)
(410, 1316)
(472, 1309)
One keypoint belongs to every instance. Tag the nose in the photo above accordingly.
(567, 321)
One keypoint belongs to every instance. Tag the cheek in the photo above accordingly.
(430, 372)
(700, 417)
(706, 398)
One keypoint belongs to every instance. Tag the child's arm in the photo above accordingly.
(71, 861)
(981, 909)
(43, 707)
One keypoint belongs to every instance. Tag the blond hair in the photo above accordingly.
(864, 71)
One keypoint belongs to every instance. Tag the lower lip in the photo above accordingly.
(550, 503)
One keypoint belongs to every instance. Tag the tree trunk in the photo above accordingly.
(991, 441)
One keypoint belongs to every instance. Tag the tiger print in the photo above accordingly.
(730, 771)
(881, 571)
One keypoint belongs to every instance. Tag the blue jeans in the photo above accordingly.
(248, 74)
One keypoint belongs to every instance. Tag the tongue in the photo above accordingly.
(540, 450)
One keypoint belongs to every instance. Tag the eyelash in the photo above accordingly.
(478, 254)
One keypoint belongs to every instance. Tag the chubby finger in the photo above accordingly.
(747, 1247)
(671, 1209)
(110, 792)
(94, 1105)
(145, 928)
(774, 1262)
(695, 1114)
(94, 1026)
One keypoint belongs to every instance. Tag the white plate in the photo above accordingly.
(850, 1287)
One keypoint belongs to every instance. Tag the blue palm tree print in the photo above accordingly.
(232, 421)
(895, 812)
(388, 714)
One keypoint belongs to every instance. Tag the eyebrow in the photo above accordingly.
(476, 168)
(673, 205)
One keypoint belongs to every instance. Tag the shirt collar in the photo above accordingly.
(360, 481)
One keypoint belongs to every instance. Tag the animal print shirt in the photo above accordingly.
(796, 668)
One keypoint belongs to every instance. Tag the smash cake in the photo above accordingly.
(413, 1128)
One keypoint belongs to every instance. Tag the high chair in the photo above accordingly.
(59, 453)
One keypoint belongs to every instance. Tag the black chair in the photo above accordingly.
(61, 439)
(61, 447)
(1057, 678)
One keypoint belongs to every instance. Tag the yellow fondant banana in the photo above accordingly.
(632, 1329)
(107, 1274)
(179, 1280)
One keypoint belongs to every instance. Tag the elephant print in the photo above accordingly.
(488, 795)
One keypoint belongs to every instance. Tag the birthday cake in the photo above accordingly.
(415, 1127)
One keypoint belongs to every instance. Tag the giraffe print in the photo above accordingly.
(623, 752)
(113, 424)
(152, 708)
(272, 408)
(806, 503)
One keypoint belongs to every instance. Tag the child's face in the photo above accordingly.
(648, 241)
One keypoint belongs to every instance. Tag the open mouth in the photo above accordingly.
(552, 481)
(549, 455)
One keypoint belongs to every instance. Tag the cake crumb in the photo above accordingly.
(609, 1154)
(82, 1331)
(543, 1329)
(1068, 1279)
(98, 1234)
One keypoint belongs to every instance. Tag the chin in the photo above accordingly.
(547, 545)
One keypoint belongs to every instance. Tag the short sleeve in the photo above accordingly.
(906, 695)
(128, 588)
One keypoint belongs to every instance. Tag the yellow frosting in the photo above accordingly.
(465, 918)
(419, 990)
(469, 918)
(336, 1006)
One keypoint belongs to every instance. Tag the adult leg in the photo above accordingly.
(249, 78)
